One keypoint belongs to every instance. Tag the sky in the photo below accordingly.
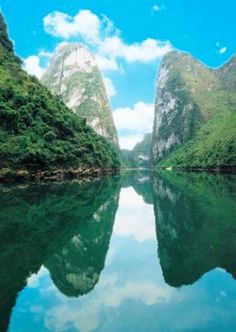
(128, 39)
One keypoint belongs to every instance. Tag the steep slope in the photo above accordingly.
(195, 118)
(74, 75)
(37, 131)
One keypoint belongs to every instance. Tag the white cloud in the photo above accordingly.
(110, 89)
(157, 8)
(106, 63)
(223, 50)
(103, 38)
(135, 121)
(138, 119)
(146, 51)
(129, 141)
(110, 293)
(33, 67)
(84, 24)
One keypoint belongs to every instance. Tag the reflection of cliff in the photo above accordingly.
(36, 222)
(196, 225)
(75, 268)
(141, 182)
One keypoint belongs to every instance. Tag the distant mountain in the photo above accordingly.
(37, 131)
(140, 156)
(74, 75)
(195, 114)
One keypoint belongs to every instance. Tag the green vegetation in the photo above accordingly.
(140, 156)
(37, 131)
(202, 123)
(195, 224)
(213, 146)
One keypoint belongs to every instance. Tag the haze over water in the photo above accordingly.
(136, 252)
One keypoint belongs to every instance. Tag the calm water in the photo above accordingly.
(130, 253)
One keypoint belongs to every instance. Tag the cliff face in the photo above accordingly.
(194, 103)
(74, 75)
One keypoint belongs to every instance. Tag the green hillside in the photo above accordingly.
(195, 116)
(37, 131)
(213, 146)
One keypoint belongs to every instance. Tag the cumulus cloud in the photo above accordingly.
(33, 67)
(33, 63)
(105, 40)
(133, 123)
(146, 51)
(106, 63)
(84, 24)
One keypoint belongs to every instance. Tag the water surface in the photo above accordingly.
(137, 252)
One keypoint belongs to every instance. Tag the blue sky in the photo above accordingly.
(131, 38)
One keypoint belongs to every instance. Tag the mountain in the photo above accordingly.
(195, 114)
(74, 76)
(37, 131)
(140, 156)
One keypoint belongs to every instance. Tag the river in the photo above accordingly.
(139, 252)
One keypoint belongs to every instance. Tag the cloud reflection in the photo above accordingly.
(134, 217)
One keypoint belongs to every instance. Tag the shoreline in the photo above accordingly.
(215, 170)
(8, 176)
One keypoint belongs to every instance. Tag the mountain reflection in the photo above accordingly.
(141, 182)
(76, 267)
(195, 224)
(66, 226)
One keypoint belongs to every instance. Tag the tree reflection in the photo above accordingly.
(195, 224)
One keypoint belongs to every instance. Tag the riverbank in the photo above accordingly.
(225, 169)
(10, 176)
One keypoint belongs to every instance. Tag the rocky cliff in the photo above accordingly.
(74, 75)
(195, 118)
